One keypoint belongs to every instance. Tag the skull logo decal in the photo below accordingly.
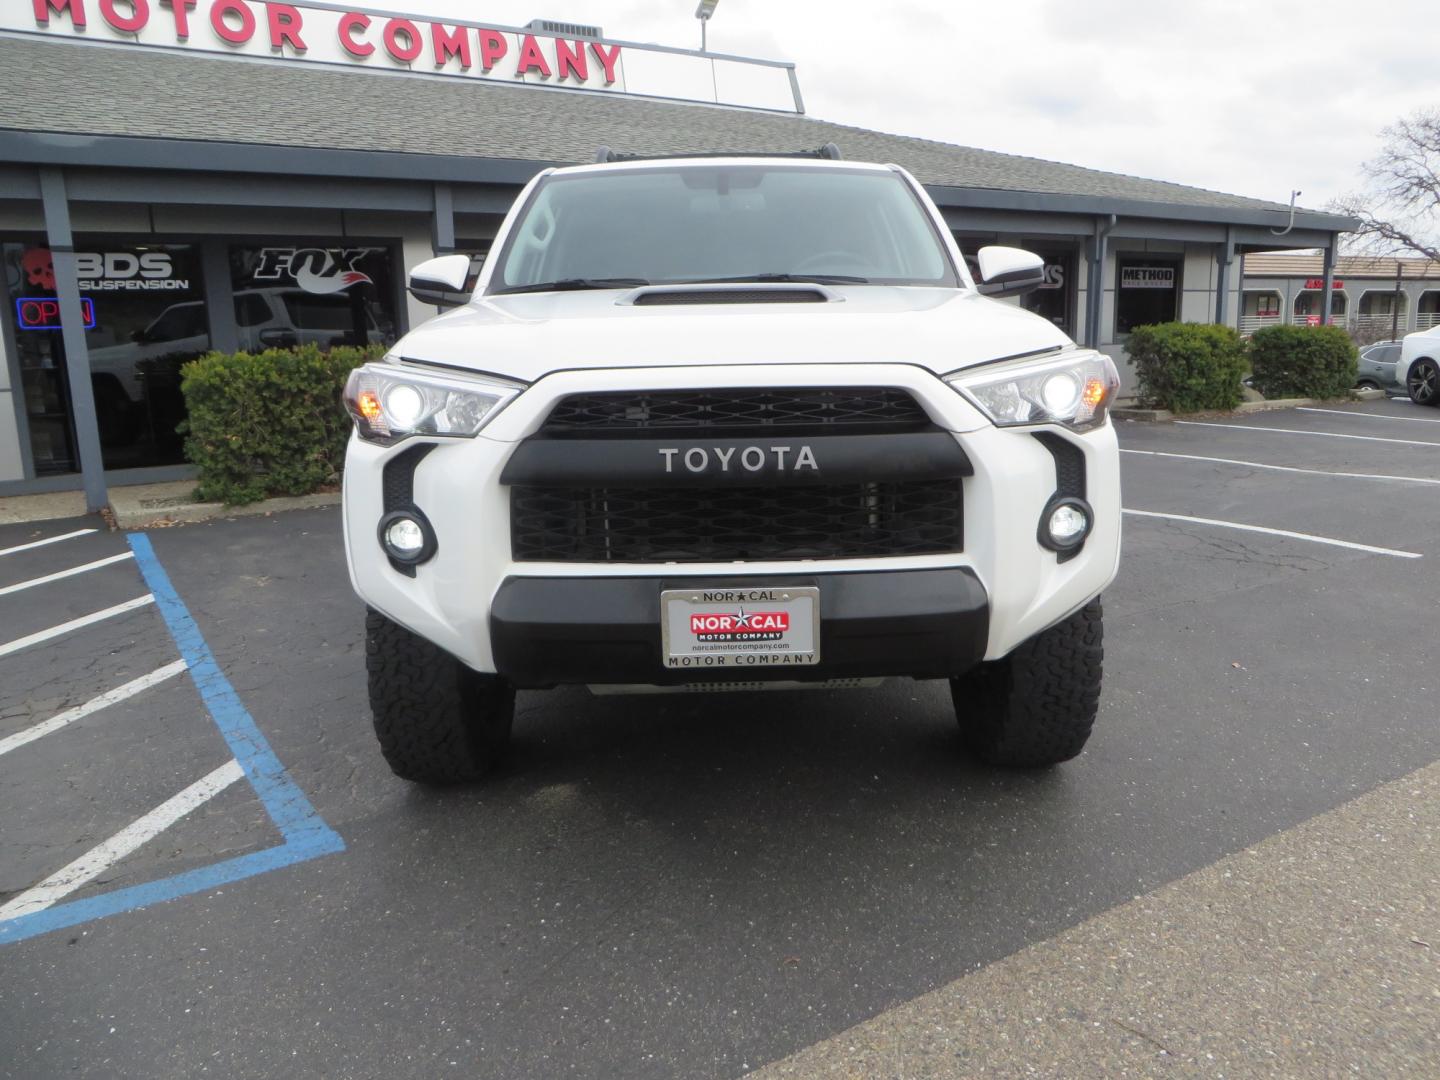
(39, 268)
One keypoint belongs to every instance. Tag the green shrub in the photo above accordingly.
(1303, 361)
(268, 423)
(1187, 367)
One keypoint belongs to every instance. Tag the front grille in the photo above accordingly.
(650, 525)
(858, 409)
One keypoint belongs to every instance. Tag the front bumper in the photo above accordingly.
(547, 631)
(1020, 588)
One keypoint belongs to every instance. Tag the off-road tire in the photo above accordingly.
(1036, 706)
(438, 722)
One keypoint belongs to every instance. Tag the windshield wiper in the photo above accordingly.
(808, 279)
(574, 284)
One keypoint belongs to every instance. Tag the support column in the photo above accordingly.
(219, 298)
(72, 332)
(1222, 291)
(442, 224)
(1095, 285)
(1329, 275)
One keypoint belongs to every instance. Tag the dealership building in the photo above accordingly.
(185, 175)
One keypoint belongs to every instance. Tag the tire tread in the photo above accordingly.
(1037, 706)
(437, 721)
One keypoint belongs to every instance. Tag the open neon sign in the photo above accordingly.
(43, 313)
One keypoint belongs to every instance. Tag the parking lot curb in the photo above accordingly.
(134, 512)
(1273, 404)
(1147, 415)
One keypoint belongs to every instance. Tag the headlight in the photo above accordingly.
(1075, 390)
(390, 401)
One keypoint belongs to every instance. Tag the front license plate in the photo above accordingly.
(723, 629)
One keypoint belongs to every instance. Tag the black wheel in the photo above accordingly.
(1423, 382)
(1367, 384)
(1035, 707)
(438, 722)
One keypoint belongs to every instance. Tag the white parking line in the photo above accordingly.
(1279, 532)
(1302, 431)
(1369, 415)
(74, 624)
(1283, 468)
(66, 573)
(95, 704)
(42, 543)
(105, 855)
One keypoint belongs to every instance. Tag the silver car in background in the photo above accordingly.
(1378, 368)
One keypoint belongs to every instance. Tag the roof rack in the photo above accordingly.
(830, 152)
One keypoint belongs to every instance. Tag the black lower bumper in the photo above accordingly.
(922, 623)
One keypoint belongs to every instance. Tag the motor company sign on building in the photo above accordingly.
(353, 37)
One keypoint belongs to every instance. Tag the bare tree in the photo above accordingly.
(1399, 208)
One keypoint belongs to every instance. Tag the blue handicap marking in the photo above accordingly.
(305, 832)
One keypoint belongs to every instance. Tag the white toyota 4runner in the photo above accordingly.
(730, 423)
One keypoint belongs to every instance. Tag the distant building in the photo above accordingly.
(1284, 287)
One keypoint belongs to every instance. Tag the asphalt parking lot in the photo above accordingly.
(657, 886)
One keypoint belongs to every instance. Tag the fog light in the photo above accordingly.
(1065, 524)
(407, 537)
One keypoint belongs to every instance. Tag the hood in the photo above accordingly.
(528, 335)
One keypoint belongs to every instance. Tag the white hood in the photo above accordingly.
(526, 336)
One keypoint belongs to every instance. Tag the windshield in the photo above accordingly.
(722, 223)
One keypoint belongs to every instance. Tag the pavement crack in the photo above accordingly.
(1141, 1035)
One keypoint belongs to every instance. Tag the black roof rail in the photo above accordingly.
(829, 152)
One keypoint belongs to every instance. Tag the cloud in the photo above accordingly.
(1225, 94)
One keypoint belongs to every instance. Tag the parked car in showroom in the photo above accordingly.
(1419, 366)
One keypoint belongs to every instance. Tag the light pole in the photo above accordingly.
(703, 13)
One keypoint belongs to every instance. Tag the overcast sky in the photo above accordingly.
(1245, 97)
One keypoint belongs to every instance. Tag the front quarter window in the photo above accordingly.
(722, 222)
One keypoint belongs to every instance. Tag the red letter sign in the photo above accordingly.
(450, 43)
(131, 24)
(607, 60)
(348, 23)
(493, 46)
(411, 49)
(44, 7)
(284, 26)
(247, 21)
(532, 57)
(181, 10)
(571, 57)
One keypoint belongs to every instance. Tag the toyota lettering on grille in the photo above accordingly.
(699, 459)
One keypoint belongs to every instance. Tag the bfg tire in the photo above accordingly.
(1036, 706)
(438, 722)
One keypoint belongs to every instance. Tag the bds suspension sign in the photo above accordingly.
(326, 34)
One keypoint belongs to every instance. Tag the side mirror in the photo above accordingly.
(1010, 271)
(441, 281)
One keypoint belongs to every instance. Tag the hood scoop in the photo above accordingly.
(725, 293)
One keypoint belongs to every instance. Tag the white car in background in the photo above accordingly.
(1419, 366)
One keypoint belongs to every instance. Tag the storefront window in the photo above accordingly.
(144, 317)
(1148, 292)
(289, 295)
(1052, 300)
